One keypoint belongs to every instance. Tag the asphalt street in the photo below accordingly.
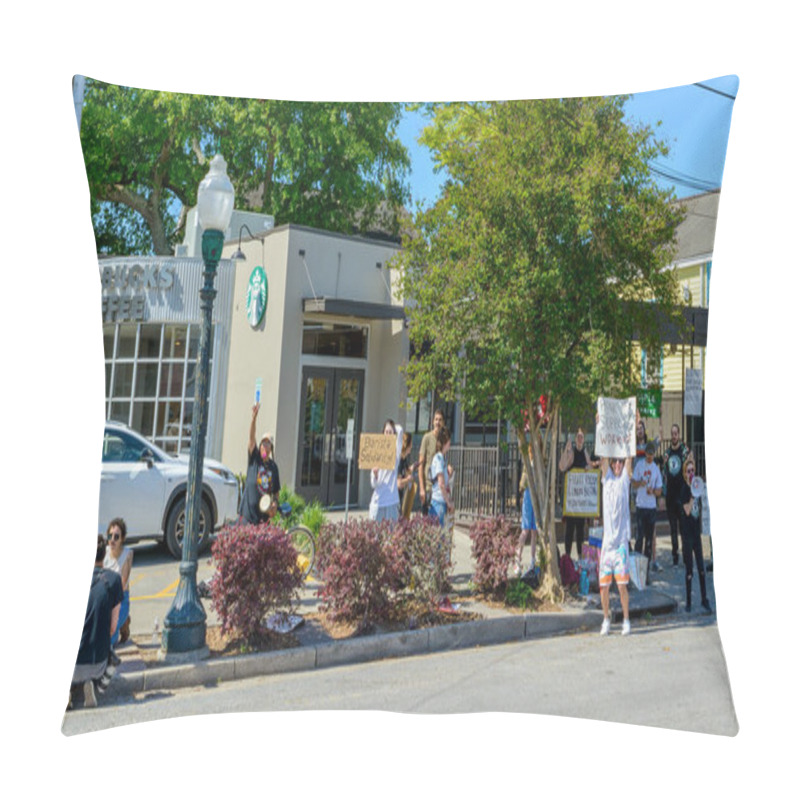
(670, 675)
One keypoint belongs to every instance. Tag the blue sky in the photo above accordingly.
(694, 121)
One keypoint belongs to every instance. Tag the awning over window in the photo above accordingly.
(351, 308)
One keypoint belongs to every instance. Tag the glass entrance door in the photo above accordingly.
(330, 397)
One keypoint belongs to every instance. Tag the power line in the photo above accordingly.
(685, 180)
(716, 91)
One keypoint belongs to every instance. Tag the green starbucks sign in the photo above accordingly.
(257, 294)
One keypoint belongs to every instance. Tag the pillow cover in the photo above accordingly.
(315, 311)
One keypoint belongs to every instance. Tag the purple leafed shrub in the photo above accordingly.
(257, 573)
(494, 547)
(362, 566)
(427, 547)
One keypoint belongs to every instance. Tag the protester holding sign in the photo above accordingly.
(616, 537)
(690, 507)
(262, 484)
(616, 443)
(385, 502)
(574, 457)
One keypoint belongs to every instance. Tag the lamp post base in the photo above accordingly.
(184, 635)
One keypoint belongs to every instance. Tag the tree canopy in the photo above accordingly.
(335, 166)
(542, 260)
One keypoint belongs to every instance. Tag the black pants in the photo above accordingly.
(646, 517)
(574, 530)
(693, 550)
(673, 515)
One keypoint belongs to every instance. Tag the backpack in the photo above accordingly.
(569, 575)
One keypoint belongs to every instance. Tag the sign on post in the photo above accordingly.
(582, 493)
(377, 451)
(348, 440)
(616, 427)
(693, 393)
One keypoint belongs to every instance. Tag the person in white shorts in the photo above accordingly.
(616, 475)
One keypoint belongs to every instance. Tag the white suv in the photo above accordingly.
(147, 488)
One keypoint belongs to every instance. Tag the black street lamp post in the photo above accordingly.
(184, 635)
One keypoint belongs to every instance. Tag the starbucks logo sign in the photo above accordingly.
(256, 297)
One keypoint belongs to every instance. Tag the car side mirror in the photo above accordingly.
(148, 457)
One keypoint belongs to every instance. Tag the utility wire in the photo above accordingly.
(716, 91)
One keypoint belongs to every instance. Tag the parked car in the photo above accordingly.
(146, 486)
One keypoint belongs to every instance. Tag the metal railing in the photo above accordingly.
(486, 479)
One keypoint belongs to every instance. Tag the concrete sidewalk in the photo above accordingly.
(316, 650)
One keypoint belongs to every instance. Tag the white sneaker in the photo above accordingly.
(606, 627)
(89, 698)
(626, 627)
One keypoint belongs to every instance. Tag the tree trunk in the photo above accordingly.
(539, 460)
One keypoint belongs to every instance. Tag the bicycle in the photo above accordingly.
(302, 540)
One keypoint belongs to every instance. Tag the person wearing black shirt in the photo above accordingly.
(92, 667)
(690, 537)
(575, 457)
(674, 461)
(262, 484)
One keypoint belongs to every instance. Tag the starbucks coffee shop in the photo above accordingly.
(309, 314)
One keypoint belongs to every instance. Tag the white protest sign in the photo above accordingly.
(693, 393)
(616, 427)
(582, 493)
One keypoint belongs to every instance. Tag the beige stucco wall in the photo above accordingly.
(332, 266)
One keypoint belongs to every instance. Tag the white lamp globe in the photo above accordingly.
(215, 197)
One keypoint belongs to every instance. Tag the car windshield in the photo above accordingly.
(120, 445)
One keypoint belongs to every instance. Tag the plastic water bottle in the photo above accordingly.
(584, 587)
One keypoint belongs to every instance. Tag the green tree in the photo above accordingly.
(527, 277)
(335, 166)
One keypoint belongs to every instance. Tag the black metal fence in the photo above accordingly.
(486, 479)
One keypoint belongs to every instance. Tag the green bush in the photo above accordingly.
(518, 594)
(313, 517)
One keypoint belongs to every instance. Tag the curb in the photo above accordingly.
(460, 635)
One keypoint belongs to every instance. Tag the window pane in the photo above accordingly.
(143, 418)
(120, 412)
(168, 420)
(334, 340)
(174, 341)
(123, 380)
(108, 341)
(171, 382)
(126, 341)
(313, 427)
(149, 341)
(108, 380)
(146, 379)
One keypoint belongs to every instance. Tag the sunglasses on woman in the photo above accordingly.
(114, 537)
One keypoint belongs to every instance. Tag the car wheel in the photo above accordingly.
(176, 525)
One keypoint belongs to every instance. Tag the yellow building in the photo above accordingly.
(692, 265)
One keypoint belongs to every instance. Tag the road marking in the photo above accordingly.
(167, 591)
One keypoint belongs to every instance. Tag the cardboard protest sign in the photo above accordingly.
(582, 493)
(616, 427)
(377, 451)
